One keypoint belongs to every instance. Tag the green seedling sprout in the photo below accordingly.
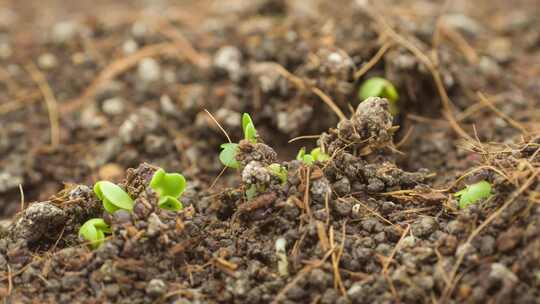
(305, 158)
(113, 197)
(94, 231)
(227, 156)
(319, 155)
(472, 193)
(309, 159)
(169, 187)
(250, 133)
(380, 87)
(251, 192)
(279, 171)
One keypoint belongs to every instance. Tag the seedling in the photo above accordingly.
(319, 155)
(315, 155)
(380, 87)
(230, 150)
(228, 155)
(169, 187)
(251, 192)
(279, 171)
(113, 197)
(281, 253)
(94, 231)
(472, 193)
(249, 128)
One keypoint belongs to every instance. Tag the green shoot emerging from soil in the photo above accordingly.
(380, 87)
(249, 128)
(228, 155)
(94, 231)
(169, 187)
(473, 193)
(315, 155)
(113, 197)
(229, 150)
(279, 171)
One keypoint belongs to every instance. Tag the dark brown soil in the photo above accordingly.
(114, 89)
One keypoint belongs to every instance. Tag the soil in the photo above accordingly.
(113, 90)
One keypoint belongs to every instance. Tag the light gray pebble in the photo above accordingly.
(156, 287)
(149, 70)
(113, 106)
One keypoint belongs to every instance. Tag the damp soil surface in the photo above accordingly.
(114, 90)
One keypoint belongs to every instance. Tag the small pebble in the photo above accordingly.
(156, 288)
(139, 29)
(9, 181)
(509, 239)
(129, 47)
(424, 226)
(228, 58)
(5, 50)
(64, 31)
(112, 290)
(167, 106)
(501, 272)
(121, 216)
(154, 225)
(149, 70)
(47, 61)
(113, 106)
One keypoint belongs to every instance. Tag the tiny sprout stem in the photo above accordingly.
(281, 253)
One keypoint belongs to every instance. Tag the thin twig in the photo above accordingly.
(22, 196)
(219, 125)
(10, 280)
(447, 104)
(373, 61)
(19, 102)
(306, 270)
(406, 137)
(301, 85)
(395, 250)
(512, 122)
(304, 137)
(306, 193)
(329, 102)
(50, 102)
(461, 43)
(116, 68)
(184, 45)
(217, 178)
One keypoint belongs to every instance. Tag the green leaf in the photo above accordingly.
(251, 192)
(391, 93)
(308, 159)
(168, 184)
(300, 155)
(473, 193)
(380, 87)
(250, 133)
(228, 155)
(319, 155)
(113, 197)
(170, 203)
(279, 171)
(94, 231)
(246, 120)
(315, 155)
